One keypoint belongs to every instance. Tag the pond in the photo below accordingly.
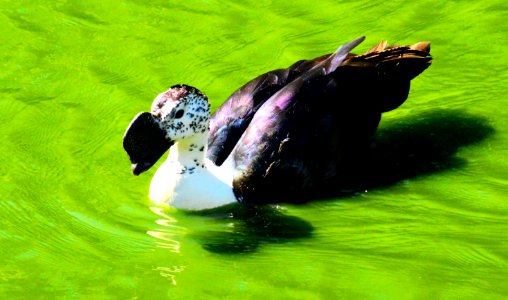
(75, 223)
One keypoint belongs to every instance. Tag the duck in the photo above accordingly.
(286, 136)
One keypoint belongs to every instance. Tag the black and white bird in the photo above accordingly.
(285, 136)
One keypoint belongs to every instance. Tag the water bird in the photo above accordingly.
(285, 136)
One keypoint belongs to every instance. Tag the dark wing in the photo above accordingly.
(271, 150)
(302, 138)
(229, 121)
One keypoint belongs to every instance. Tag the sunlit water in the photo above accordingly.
(74, 222)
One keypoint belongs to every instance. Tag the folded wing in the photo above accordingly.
(303, 136)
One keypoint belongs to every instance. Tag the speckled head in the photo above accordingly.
(176, 114)
(182, 111)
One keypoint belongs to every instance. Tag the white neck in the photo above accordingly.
(188, 180)
(191, 151)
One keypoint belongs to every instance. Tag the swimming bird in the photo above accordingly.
(285, 136)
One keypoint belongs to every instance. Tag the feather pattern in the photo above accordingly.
(229, 121)
(328, 116)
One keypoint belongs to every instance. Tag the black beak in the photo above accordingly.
(145, 142)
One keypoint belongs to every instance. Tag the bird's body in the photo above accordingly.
(285, 136)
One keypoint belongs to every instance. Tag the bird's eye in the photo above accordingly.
(179, 114)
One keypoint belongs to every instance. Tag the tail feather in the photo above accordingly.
(421, 46)
(379, 47)
(380, 78)
(397, 61)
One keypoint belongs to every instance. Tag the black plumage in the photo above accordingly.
(325, 124)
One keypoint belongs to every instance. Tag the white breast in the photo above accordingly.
(200, 190)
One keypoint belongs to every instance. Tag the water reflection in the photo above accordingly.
(245, 228)
(413, 146)
(166, 236)
(170, 272)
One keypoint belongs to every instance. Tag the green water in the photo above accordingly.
(74, 222)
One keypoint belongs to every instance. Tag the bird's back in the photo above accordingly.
(290, 152)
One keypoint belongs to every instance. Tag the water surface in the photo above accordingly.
(74, 223)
